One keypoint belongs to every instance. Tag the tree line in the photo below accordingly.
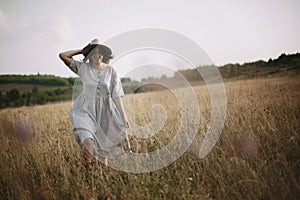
(38, 79)
(15, 98)
(284, 64)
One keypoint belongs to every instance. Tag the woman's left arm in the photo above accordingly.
(119, 103)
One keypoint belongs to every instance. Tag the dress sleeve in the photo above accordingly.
(117, 90)
(75, 66)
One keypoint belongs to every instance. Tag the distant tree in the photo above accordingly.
(14, 98)
(282, 56)
(57, 91)
(35, 95)
(49, 93)
(28, 98)
(71, 80)
(125, 80)
(1, 99)
(283, 59)
(35, 90)
(6, 100)
(24, 98)
(42, 98)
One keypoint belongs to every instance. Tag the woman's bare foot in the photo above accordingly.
(102, 164)
(105, 163)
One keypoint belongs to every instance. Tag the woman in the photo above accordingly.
(98, 119)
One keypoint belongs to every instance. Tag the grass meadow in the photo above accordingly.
(256, 157)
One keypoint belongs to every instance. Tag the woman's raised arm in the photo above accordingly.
(66, 56)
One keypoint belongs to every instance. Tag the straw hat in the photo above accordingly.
(93, 44)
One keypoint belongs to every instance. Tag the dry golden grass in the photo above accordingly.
(256, 157)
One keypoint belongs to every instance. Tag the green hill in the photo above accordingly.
(284, 65)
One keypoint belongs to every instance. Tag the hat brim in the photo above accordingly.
(86, 50)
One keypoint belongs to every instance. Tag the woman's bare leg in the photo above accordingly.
(87, 152)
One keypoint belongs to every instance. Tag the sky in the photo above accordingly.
(34, 32)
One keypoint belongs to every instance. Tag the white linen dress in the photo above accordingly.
(94, 114)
